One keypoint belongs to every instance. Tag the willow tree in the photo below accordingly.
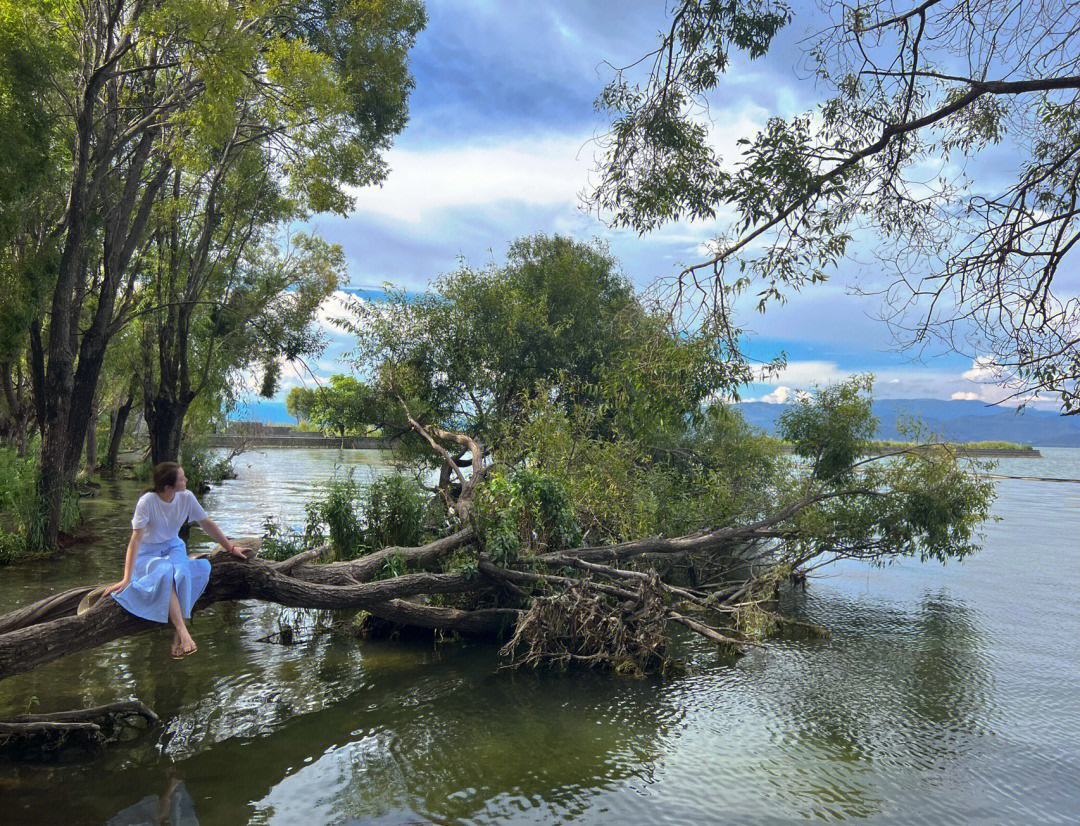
(29, 169)
(949, 131)
(601, 481)
(143, 90)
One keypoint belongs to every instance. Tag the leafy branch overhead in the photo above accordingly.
(913, 94)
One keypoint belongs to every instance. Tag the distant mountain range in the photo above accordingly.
(959, 421)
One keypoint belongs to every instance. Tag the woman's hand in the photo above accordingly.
(117, 586)
(238, 550)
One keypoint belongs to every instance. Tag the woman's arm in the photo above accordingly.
(214, 532)
(129, 561)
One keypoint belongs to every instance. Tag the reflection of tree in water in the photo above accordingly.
(895, 690)
(451, 740)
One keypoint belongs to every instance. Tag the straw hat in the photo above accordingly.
(91, 599)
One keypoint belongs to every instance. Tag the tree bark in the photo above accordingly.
(19, 408)
(119, 423)
(165, 426)
(91, 445)
(33, 639)
(51, 628)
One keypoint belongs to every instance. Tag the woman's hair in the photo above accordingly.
(164, 477)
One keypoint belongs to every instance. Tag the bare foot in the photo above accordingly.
(188, 648)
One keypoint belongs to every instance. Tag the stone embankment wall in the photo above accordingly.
(298, 439)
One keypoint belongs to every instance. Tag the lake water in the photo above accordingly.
(945, 695)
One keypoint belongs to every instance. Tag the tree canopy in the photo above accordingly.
(642, 437)
(557, 318)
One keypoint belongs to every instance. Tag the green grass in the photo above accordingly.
(987, 445)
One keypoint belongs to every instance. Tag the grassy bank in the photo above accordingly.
(988, 445)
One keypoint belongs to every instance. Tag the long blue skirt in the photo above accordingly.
(158, 566)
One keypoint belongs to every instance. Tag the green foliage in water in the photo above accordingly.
(924, 504)
(627, 480)
(525, 512)
(394, 509)
(202, 467)
(355, 519)
(280, 541)
(833, 428)
(621, 428)
(22, 511)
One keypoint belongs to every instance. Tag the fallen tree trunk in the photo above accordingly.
(56, 626)
(52, 628)
(72, 621)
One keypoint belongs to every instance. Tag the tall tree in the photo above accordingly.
(343, 404)
(558, 323)
(245, 305)
(482, 339)
(950, 128)
(30, 159)
(150, 89)
(299, 402)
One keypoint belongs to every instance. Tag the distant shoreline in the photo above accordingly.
(252, 434)
(1018, 452)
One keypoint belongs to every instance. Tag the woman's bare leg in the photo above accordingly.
(176, 617)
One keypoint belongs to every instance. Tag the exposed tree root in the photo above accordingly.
(581, 626)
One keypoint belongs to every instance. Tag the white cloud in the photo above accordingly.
(335, 306)
(807, 373)
(546, 171)
(965, 396)
(534, 171)
(983, 368)
(782, 395)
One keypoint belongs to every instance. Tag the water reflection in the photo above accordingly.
(897, 691)
(174, 807)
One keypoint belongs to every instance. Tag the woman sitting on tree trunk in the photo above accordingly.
(161, 583)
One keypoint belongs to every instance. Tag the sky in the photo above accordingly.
(500, 145)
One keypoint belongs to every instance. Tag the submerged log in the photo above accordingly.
(47, 737)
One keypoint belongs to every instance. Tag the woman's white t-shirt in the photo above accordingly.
(163, 520)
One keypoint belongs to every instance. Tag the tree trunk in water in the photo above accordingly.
(165, 423)
(53, 482)
(91, 446)
(119, 422)
(78, 619)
